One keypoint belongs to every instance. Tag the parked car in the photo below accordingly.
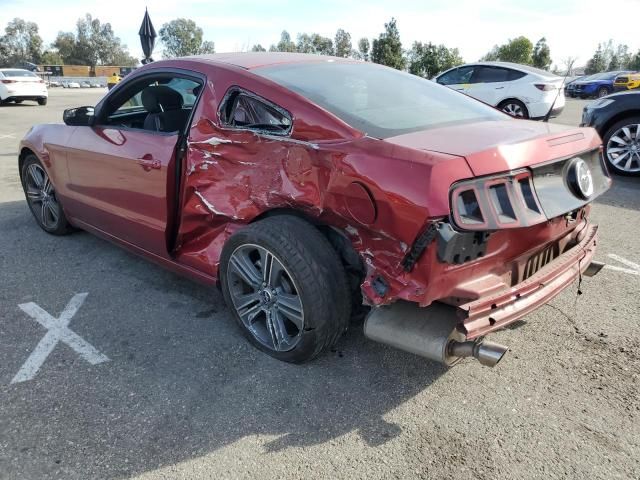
(518, 90)
(73, 85)
(55, 83)
(617, 120)
(598, 85)
(85, 84)
(18, 85)
(306, 186)
(626, 81)
(570, 85)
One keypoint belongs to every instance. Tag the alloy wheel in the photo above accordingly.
(623, 148)
(41, 196)
(265, 297)
(514, 110)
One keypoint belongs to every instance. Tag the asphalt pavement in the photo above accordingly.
(173, 391)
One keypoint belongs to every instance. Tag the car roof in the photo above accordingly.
(251, 60)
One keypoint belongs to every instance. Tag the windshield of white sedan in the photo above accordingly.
(379, 101)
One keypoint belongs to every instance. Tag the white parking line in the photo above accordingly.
(7, 135)
(58, 331)
(634, 270)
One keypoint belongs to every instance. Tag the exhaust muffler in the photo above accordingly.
(429, 332)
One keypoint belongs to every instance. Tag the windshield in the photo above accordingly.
(376, 100)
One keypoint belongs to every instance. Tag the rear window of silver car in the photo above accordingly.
(379, 101)
(17, 73)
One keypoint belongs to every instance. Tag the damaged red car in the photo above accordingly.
(309, 186)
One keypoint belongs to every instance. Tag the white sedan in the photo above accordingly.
(519, 90)
(17, 85)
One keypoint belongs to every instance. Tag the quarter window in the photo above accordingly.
(248, 111)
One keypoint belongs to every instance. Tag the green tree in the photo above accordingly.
(285, 44)
(541, 57)
(427, 60)
(20, 43)
(387, 48)
(314, 43)
(182, 37)
(517, 50)
(598, 63)
(94, 43)
(343, 43)
(51, 57)
(621, 58)
(258, 48)
(363, 49)
(634, 62)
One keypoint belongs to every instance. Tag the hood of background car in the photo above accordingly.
(492, 147)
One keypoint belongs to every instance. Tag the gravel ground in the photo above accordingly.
(184, 396)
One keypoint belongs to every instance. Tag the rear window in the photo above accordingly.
(379, 101)
(18, 73)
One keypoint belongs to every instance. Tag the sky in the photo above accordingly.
(573, 28)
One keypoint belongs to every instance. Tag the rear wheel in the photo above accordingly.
(515, 108)
(42, 101)
(622, 146)
(286, 287)
(41, 198)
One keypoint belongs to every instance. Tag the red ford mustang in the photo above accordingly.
(309, 186)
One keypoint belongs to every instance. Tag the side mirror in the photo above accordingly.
(79, 117)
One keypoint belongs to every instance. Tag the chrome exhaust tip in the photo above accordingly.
(487, 353)
(593, 269)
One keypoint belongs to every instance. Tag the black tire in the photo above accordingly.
(59, 226)
(315, 272)
(42, 101)
(606, 144)
(602, 92)
(18, 101)
(514, 105)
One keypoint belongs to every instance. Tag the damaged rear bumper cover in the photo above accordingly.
(446, 333)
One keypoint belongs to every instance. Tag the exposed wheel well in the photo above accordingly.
(23, 154)
(338, 239)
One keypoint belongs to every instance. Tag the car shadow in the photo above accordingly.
(181, 382)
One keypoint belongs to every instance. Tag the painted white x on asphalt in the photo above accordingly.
(58, 332)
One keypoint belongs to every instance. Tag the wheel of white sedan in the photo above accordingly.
(622, 147)
(286, 287)
(41, 198)
(515, 108)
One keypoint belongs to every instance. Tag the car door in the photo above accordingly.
(457, 79)
(489, 84)
(122, 169)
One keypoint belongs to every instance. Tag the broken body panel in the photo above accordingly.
(382, 195)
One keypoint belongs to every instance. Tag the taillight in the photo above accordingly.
(545, 87)
(9, 81)
(490, 203)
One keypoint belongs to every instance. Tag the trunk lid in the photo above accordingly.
(498, 146)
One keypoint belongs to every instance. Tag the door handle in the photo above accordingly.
(147, 162)
(499, 88)
(459, 89)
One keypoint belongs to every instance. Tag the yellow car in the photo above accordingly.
(627, 81)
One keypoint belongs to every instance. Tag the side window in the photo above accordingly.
(491, 75)
(160, 104)
(457, 76)
(245, 110)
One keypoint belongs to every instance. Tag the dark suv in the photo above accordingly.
(617, 120)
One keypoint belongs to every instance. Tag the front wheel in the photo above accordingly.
(602, 92)
(515, 108)
(286, 287)
(622, 146)
(41, 198)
